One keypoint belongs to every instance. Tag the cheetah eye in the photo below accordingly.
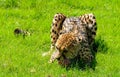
(93, 17)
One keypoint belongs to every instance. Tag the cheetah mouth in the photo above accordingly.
(64, 62)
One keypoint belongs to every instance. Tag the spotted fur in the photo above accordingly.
(73, 37)
(56, 27)
(90, 21)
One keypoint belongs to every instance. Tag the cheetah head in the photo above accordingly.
(67, 45)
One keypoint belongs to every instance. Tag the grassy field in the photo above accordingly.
(23, 57)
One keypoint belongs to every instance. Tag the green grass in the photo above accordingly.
(23, 57)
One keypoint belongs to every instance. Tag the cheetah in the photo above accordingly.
(72, 37)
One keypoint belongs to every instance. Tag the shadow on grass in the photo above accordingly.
(98, 46)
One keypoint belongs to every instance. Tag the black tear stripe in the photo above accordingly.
(55, 25)
(55, 32)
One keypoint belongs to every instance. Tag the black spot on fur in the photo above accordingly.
(55, 32)
(56, 25)
(94, 33)
(79, 39)
(52, 30)
(59, 18)
(55, 19)
(91, 21)
(95, 23)
(93, 17)
(54, 38)
(95, 28)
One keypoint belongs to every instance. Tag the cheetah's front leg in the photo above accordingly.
(55, 55)
(55, 30)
